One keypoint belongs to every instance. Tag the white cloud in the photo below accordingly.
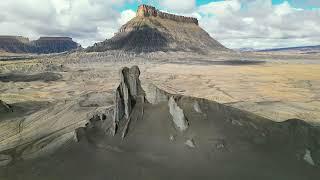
(179, 6)
(220, 8)
(235, 23)
(126, 16)
(259, 24)
(87, 21)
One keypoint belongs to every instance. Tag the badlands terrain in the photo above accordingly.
(50, 98)
(153, 102)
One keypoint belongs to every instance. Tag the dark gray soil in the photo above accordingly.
(251, 148)
(46, 77)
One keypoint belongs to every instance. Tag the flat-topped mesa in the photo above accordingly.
(147, 11)
(55, 38)
(43, 45)
(14, 38)
(153, 31)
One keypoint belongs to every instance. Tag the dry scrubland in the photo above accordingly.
(278, 87)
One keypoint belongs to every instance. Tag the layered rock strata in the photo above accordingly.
(152, 30)
(147, 11)
(44, 45)
(127, 95)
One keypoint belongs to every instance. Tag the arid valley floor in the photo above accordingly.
(279, 87)
(53, 95)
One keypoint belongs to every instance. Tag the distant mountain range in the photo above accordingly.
(300, 49)
(44, 45)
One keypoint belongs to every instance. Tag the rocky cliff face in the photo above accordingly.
(44, 45)
(147, 11)
(152, 30)
(54, 44)
(16, 44)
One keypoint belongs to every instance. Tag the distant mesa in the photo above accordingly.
(152, 30)
(44, 45)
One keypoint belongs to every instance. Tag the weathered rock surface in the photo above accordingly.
(177, 115)
(16, 44)
(4, 107)
(44, 45)
(5, 159)
(155, 95)
(126, 96)
(308, 158)
(48, 145)
(190, 143)
(147, 11)
(34, 129)
(196, 107)
(152, 30)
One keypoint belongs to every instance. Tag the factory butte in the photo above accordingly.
(149, 31)
(152, 30)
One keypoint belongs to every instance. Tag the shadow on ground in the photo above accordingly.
(210, 62)
(46, 77)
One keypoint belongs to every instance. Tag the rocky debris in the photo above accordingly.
(221, 144)
(101, 118)
(307, 157)
(177, 115)
(154, 31)
(196, 107)
(5, 160)
(4, 107)
(236, 122)
(190, 143)
(44, 45)
(171, 138)
(127, 95)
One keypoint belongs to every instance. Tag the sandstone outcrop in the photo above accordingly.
(128, 93)
(44, 45)
(152, 30)
(147, 11)
(177, 115)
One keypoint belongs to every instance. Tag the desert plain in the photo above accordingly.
(276, 86)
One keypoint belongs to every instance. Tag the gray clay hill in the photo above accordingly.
(153, 30)
(43, 45)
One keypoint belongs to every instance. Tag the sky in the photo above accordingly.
(258, 24)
